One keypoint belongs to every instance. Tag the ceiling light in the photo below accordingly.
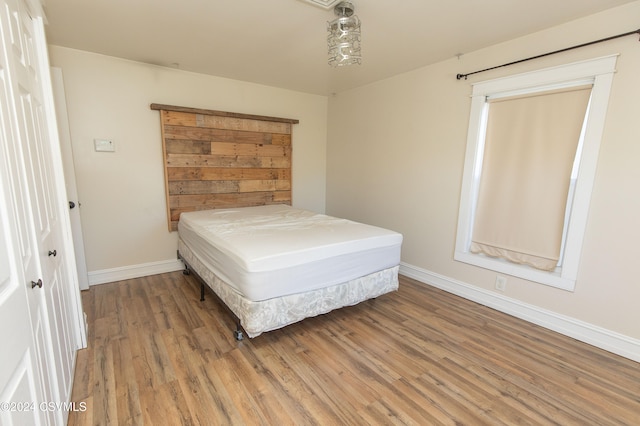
(344, 36)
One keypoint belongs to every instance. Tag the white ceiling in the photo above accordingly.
(282, 43)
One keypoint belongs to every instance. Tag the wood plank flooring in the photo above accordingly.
(159, 356)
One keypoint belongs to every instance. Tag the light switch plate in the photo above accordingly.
(104, 145)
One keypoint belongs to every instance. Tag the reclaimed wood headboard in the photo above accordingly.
(216, 159)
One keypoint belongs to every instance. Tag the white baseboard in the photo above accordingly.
(594, 335)
(134, 271)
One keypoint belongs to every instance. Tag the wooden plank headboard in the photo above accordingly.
(216, 159)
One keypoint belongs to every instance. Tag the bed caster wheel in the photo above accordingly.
(238, 335)
(186, 272)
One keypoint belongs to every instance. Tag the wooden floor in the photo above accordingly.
(159, 356)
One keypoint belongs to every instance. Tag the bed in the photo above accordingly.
(274, 265)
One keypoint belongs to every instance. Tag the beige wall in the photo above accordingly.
(122, 193)
(396, 153)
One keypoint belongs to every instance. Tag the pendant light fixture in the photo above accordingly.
(343, 39)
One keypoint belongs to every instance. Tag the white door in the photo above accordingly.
(38, 154)
(40, 248)
(70, 176)
(22, 386)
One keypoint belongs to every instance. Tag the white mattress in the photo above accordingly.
(272, 251)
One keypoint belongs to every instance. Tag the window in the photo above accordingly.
(572, 144)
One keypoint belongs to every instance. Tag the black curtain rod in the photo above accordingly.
(461, 76)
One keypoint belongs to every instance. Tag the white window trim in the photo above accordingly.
(598, 71)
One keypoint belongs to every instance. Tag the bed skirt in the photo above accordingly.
(259, 317)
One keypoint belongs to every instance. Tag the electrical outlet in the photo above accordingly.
(501, 283)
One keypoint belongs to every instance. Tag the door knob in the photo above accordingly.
(36, 284)
(71, 204)
(53, 253)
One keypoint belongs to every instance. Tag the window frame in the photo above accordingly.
(599, 72)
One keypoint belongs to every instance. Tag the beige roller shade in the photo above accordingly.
(529, 151)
